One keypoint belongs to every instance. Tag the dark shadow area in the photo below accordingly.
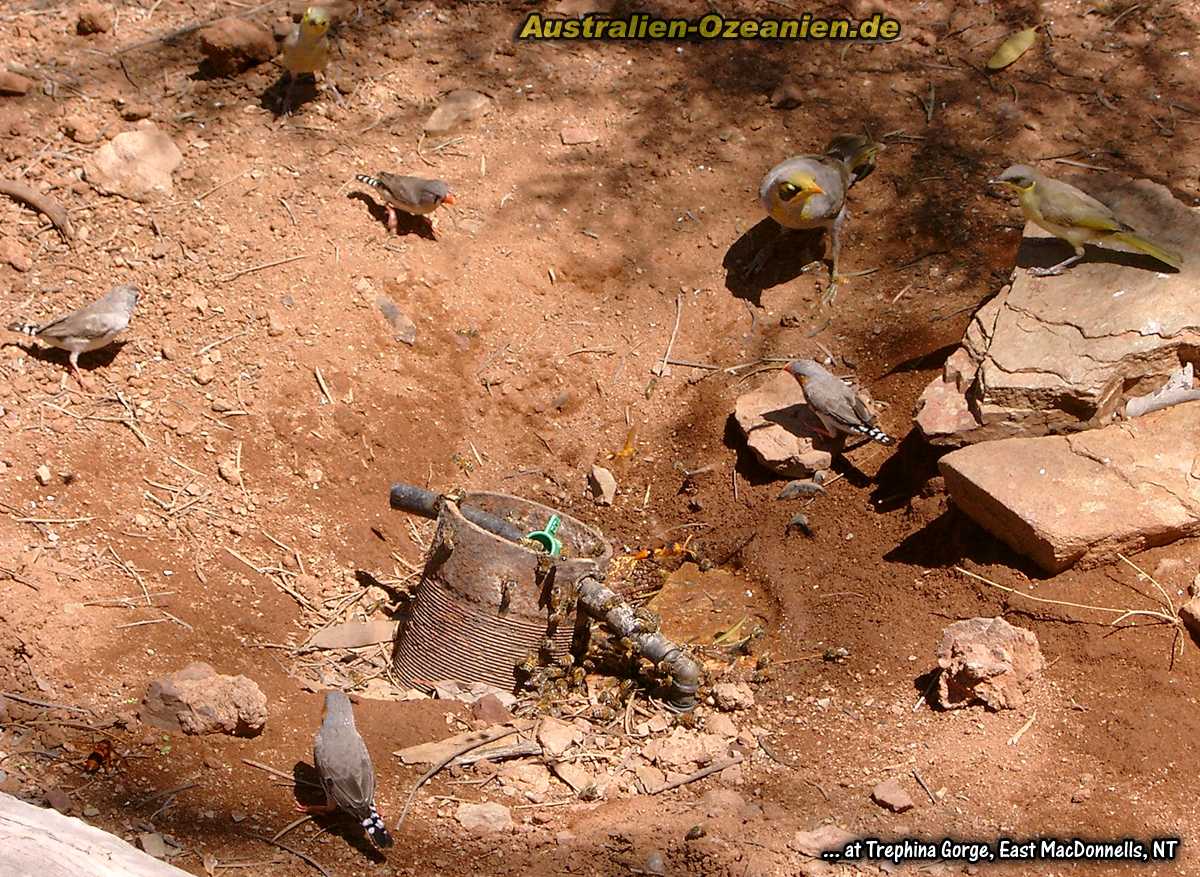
(926, 686)
(934, 359)
(905, 472)
(787, 253)
(304, 91)
(1048, 252)
(310, 793)
(90, 361)
(952, 538)
(406, 223)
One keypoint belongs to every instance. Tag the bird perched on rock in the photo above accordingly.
(306, 51)
(1074, 216)
(413, 195)
(88, 328)
(344, 765)
(838, 407)
(809, 191)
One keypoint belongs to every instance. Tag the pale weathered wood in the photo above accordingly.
(45, 843)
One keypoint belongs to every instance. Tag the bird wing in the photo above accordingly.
(345, 768)
(406, 190)
(1064, 205)
(839, 403)
(94, 321)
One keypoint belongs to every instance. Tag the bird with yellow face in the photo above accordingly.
(809, 191)
(1074, 216)
(306, 51)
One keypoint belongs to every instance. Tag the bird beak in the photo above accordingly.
(449, 199)
(816, 190)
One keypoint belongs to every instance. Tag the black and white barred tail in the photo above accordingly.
(376, 830)
(371, 181)
(875, 434)
(24, 328)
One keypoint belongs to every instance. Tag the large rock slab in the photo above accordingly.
(1057, 354)
(1084, 498)
(784, 435)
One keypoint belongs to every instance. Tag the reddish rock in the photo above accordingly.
(93, 18)
(890, 794)
(1084, 498)
(988, 661)
(783, 434)
(198, 700)
(14, 84)
(233, 44)
(489, 709)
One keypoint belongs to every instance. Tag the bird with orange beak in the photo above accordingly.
(809, 191)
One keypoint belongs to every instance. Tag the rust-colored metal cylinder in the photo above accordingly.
(480, 608)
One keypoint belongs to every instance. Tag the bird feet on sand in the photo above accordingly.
(316, 809)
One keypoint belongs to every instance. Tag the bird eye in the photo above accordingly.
(788, 191)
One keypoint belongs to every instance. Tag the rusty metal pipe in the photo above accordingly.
(602, 603)
(419, 501)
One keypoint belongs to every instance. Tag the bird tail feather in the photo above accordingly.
(856, 152)
(1168, 257)
(376, 830)
(24, 328)
(876, 434)
(371, 181)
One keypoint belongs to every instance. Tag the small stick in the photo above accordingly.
(285, 776)
(20, 698)
(289, 211)
(1016, 738)
(324, 386)
(486, 738)
(921, 782)
(141, 623)
(52, 520)
(607, 351)
(294, 852)
(47, 206)
(715, 767)
(295, 823)
(241, 174)
(207, 347)
(664, 368)
(236, 274)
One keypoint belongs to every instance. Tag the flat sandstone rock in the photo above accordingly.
(1084, 498)
(1054, 354)
(780, 430)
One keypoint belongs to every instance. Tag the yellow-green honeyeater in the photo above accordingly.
(1074, 216)
(809, 191)
(306, 50)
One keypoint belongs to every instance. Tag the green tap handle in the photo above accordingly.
(546, 538)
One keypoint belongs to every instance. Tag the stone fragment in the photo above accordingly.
(988, 661)
(198, 700)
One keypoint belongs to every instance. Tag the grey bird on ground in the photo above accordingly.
(344, 766)
(88, 328)
(837, 406)
(413, 195)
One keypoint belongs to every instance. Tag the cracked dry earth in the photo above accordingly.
(540, 310)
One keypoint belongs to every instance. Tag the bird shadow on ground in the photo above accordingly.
(790, 252)
(91, 361)
(406, 223)
(1039, 252)
(309, 791)
(271, 99)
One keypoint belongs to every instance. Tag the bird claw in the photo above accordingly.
(830, 292)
